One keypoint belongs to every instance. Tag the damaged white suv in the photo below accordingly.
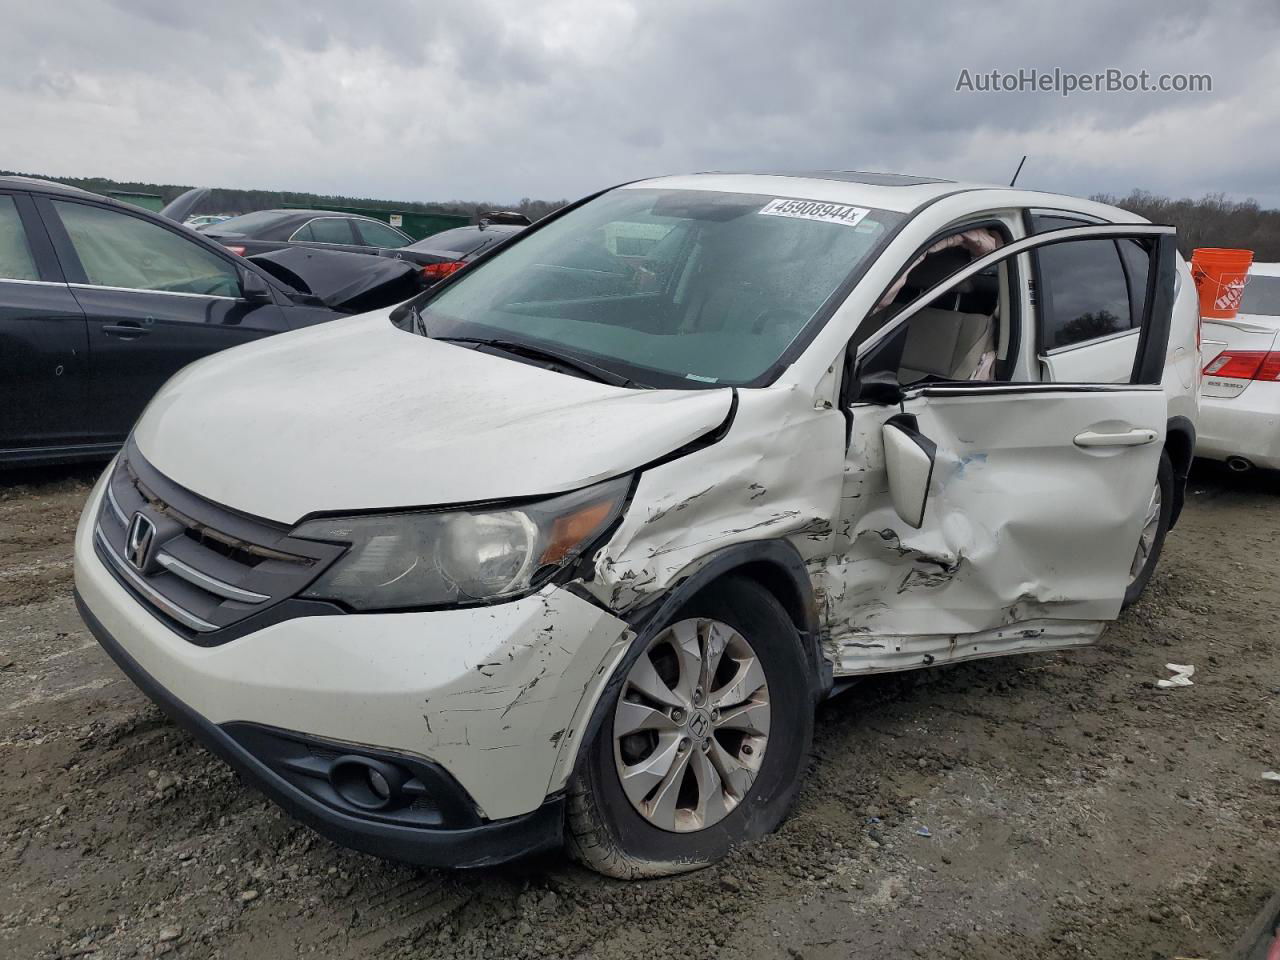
(570, 546)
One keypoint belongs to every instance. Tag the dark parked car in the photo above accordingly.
(101, 302)
(265, 230)
(442, 253)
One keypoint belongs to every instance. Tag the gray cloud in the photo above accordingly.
(553, 98)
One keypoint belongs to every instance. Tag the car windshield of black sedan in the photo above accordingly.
(245, 225)
(666, 286)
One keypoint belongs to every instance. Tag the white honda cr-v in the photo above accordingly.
(570, 546)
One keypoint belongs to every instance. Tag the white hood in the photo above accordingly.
(357, 415)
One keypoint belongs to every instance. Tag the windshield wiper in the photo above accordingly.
(529, 352)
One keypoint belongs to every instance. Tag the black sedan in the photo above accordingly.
(266, 230)
(101, 302)
(442, 253)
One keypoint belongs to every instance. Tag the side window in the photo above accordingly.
(303, 233)
(16, 262)
(380, 235)
(1084, 293)
(1087, 288)
(331, 230)
(117, 250)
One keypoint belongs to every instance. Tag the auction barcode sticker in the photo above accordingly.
(816, 210)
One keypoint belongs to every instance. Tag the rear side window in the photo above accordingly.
(326, 230)
(16, 262)
(1137, 264)
(1261, 296)
(119, 250)
(380, 235)
(1083, 293)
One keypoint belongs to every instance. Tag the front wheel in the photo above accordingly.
(704, 741)
(1155, 525)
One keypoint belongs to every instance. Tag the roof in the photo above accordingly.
(45, 186)
(312, 214)
(881, 191)
(858, 176)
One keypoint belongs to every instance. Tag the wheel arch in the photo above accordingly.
(1180, 444)
(776, 565)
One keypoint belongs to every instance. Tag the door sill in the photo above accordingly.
(861, 654)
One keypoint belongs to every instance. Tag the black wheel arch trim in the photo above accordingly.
(1181, 451)
(782, 559)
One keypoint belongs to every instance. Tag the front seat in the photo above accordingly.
(945, 344)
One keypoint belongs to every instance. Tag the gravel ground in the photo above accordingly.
(1072, 809)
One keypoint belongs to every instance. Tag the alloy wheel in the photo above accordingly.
(691, 725)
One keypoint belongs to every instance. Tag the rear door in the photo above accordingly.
(44, 354)
(330, 233)
(986, 517)
(154, 299)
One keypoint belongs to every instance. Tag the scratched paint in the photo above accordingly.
(891, 597)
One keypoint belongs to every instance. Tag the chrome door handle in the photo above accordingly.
(128, 330)
(1129, 438)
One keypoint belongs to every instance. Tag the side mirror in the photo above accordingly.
(874, 378)
(908, 460)
(254, 288)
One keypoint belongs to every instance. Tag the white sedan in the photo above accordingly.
(1240, 392)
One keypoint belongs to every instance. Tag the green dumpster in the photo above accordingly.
(147, 201)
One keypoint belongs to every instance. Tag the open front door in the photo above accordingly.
(988, 517)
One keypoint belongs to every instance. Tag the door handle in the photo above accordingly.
(125, 331)
(1127, 438)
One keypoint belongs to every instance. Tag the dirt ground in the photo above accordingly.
(1072, 808)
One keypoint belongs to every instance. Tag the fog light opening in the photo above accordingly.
(367, 783)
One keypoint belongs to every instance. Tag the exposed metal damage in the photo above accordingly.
(889, 597)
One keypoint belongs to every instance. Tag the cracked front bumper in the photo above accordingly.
(496, 697)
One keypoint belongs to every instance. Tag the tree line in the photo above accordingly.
(227, 200)
(1212, 221)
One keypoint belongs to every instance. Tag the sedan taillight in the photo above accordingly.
(434, 272)
(1245, 365)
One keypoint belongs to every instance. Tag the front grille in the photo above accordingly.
(197, 565)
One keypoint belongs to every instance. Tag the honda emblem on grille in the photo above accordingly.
(138, 541)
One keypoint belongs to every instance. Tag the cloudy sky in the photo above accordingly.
(554, 98)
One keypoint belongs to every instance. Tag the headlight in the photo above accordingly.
(430, 558)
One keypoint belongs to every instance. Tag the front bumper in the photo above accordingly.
(480, 845)
(495, 698)
(1245, 426)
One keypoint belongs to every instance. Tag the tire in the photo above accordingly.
(606, 828)
(1164, 482)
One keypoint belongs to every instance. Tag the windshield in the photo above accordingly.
(247, 223)
(1261, 296)
(670, 287)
